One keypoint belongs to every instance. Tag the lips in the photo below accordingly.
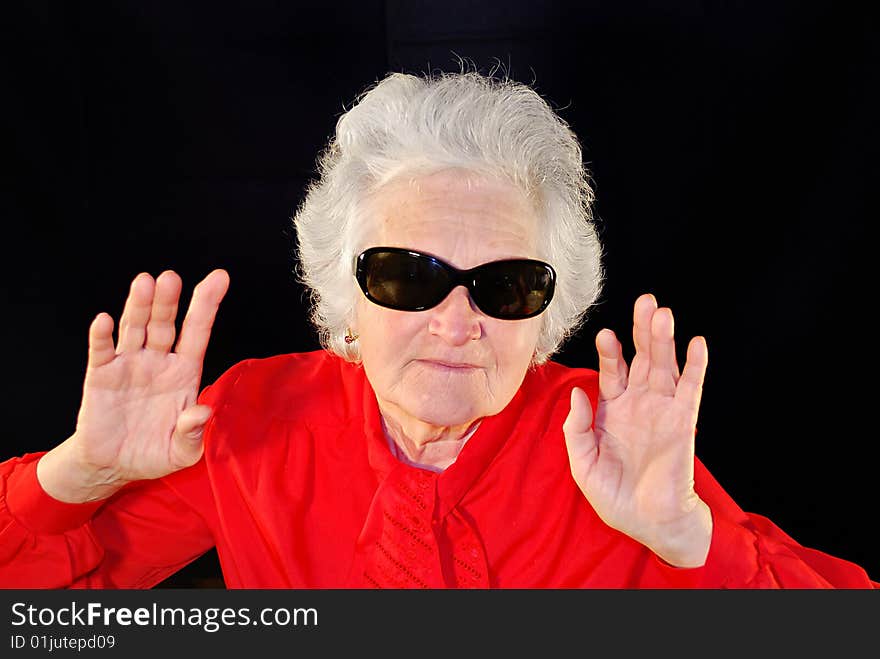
(448, 365)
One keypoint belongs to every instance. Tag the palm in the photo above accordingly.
(644, 466)
(634, 461)
(130, 407)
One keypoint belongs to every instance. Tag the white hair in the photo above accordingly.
(407, 125)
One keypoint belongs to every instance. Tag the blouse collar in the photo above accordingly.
(475, 457)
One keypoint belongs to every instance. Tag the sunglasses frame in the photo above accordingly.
(458, 277)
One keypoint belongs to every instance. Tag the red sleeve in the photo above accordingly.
(55, 546)
(135, 539)
(750, 551)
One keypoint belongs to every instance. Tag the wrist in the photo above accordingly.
(66, 477)
(686, 545)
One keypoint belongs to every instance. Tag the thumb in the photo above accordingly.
(186, 441)
(580, 440)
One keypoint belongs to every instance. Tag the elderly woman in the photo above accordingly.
(449, 250)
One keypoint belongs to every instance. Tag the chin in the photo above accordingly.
(446, 410)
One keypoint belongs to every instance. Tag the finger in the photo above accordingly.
(186, 441)
(196, 328)
(133, 323)
(643, 311)
(613, 371)
(161, 330)
(664, 369)
(690, 386)
(101, 349)
(580, 440)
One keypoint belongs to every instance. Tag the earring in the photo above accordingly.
(349, 337)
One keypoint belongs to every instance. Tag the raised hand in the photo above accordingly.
(635, 461)
(138, 418)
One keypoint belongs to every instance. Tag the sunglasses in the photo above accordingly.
(405, 280)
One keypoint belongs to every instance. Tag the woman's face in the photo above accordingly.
(451, 364)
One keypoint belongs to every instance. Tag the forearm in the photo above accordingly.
(134, 540)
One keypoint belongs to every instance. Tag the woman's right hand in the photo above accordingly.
(138, 418)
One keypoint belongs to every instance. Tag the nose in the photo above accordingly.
(456, 319)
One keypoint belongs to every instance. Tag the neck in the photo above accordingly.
(424, 444)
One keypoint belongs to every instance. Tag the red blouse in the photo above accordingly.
(298, 488)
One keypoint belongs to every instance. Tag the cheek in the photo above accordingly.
(516, 341)
(384, 334)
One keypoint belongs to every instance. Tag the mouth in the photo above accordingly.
(448, 366)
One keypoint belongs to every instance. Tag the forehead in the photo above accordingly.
(454, 213)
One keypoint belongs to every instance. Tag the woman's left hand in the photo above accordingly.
(635, 461)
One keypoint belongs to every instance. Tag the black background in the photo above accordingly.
(729, 143)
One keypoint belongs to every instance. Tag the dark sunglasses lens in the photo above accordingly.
(513, 289)
(405, 281)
